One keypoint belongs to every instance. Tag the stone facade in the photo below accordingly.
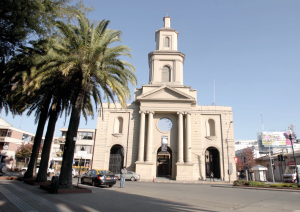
(196, 135)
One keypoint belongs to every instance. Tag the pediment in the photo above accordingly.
(166, 93)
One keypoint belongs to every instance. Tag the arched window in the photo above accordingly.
(118, 125)
(167, 42)
(166, 74)
(210, 128)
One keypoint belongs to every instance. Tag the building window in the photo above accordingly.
(85, 135)
(166, 74)
(118, 125)
(210, 128)
(26, 137)
(87, 148)
(167, 42)
(3, 133)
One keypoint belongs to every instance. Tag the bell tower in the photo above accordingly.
(166, 62)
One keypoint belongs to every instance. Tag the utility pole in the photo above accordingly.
(271, 164)
(293, 136)
(228, 150)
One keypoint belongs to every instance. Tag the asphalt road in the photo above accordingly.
(149, 196)
(195, 197)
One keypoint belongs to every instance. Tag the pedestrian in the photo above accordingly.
(123, 173)
(212, 176)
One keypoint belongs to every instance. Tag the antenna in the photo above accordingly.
(214, 104)
(262, 123)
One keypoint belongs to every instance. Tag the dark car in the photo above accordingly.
(3, 169)
(99, 177)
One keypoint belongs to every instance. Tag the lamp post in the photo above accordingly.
(228, 149)
(293, 136)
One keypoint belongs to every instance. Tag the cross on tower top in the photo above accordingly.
(167, 12)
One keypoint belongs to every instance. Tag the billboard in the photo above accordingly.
(275, 139)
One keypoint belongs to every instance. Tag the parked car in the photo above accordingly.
(99, 177)
(83, 174)
(24, 169)
(3, 169)
(74, 173)
(129, 176)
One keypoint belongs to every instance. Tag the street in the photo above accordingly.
(149, 196)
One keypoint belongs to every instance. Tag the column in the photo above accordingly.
(180, 137)
(149, 137)
(142, 137)
(188, 138)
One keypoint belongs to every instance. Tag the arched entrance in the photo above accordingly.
(164, 163)
(116, 159)
(212, 162)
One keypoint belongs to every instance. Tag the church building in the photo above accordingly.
(163, 132)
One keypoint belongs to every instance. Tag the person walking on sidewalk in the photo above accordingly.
(123, 173)
(212, 176)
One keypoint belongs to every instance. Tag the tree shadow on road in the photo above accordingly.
(109, 200)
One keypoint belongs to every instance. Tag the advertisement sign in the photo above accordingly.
(164, 143)
(275, 139)
(291, 163)
(82, 154)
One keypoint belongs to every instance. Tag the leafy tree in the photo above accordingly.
(246, 160)
(24, 151)
(22, 18)
(83, 51)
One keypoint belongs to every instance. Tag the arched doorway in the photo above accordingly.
(212, 162)
(116, 159)
(164, 163)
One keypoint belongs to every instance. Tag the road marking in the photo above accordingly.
(23, 206)
(42, 200)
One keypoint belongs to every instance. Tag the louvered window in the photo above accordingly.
(167, 42)
(166, 74)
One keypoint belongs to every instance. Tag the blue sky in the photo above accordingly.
(251, 49)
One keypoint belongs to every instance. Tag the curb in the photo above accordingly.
(183, 182)
(256, 188)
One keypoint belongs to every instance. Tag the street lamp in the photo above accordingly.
(294, 136)
(228, 149)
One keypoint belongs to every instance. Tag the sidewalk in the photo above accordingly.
(17, 196)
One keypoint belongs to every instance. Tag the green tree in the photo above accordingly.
(24, 151)
(83, 51)
(21, 19)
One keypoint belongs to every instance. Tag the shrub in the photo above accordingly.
(239, 182)
(249, 183)
(285, 185)
(255, 183)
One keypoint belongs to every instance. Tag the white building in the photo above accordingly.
(85, 141)
(164, 133)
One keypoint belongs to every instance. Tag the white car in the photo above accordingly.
(74, 173)
(129, 176)
(24, 169)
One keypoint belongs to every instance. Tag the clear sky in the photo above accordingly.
(251, 49)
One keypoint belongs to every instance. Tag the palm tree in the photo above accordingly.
(19, 68)
(83, 51)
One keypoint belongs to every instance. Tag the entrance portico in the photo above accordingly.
(178, 136)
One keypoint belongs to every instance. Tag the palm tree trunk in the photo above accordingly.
(65, 177)
(42, 174)
(37, 140)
